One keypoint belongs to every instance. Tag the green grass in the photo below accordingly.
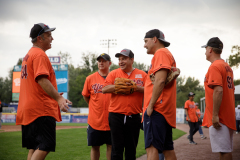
(71, 145)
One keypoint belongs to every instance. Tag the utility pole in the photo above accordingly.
(109, 43)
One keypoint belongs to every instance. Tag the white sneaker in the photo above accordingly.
(236, 132)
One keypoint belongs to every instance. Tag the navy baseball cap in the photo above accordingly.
(159, 34)
(104, 56)
(125, 52)
(214, 42)
(39, 29)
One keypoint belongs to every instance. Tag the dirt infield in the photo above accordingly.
(201, 151)
(12, 128)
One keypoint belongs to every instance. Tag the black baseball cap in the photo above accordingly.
(104, 56)
(191, 94)
(159, 34)
(125, 52)
(39, 29)
(214, 42)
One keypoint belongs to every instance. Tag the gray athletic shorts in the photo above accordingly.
(221, 139)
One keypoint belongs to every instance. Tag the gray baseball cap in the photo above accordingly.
(159, 34)
(39, 29)
(125, 52)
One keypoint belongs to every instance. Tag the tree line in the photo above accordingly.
(77, 77)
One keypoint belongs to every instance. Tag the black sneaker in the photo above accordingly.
(192, 142)
(188, 137)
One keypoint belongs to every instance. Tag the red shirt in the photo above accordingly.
(34, 102)
(126, 104)
(98, 102)
(220, 74)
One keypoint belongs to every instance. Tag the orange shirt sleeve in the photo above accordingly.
(41, 66)
(161, 61)
(110, 79)
(215, 77)
(86, 89)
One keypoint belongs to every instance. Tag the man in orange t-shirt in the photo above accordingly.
(39, 101)
(220, 102)
(159, 100)
(124, 117)
(98, 126)
(191, 117)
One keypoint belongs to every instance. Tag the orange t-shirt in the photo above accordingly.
(126, 104)
(191, 109)
(98, 102)
(220, 74)
(166, 103)
(34, 102)
(198, 112)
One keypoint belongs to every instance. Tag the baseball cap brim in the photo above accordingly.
(50, 29)
(166, 43)
(119, 54)
(102, 57)
(204, 46)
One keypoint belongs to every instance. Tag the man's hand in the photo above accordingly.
(149, 111)
(63, 104)
(189, 120)
(215, 121)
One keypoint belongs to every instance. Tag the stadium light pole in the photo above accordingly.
(109, 43)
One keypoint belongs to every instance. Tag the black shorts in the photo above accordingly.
(157, 132)
(98, 138)
(40, 134)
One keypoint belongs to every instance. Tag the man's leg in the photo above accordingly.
(195, 127)
(225, 156)
(191, 131)
(109, 151)
(30, 153)
(169, 155)
(116, 123)
(237, 125)
(131, 135)
(95, 152)
(39, 155)
(152, 153)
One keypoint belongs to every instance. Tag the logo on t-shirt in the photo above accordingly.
(97, 88)
(138, 76)
(138, 82)
(192, 106)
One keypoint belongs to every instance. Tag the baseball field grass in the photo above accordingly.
(71, 145)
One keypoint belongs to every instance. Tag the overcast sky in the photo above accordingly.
(80, 25)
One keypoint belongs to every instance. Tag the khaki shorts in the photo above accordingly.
(221, 139)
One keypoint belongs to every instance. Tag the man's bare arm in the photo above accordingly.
(52, 92)
(140, 89)
(86, 99)
(108, 89)
(160, 78)
(217, 100)
(186, 110)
